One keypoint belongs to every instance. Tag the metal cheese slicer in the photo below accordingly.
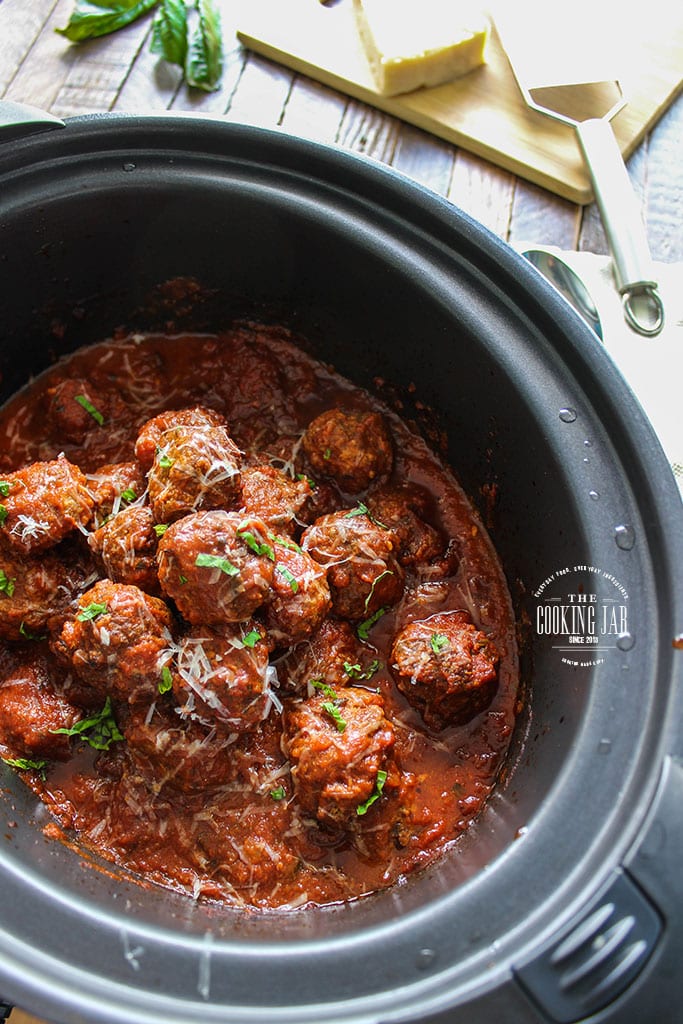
(588, 105)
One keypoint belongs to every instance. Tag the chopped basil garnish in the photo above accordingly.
(330, 708)
(356, 672)
(362, 509)
(160, 529)
(379, 786)
(439, 641)
(288, 576)
(327, 453)
(128, 495)
(28, 635)
(7, 583)
(100, 731)
(258, 547)
(217, 562)
(318, 684)
(365, 627)
(164, 460)
(166, 681)
(3, 514)
(309, 480)
(23, 764)
(91, 611)
(5, 486)
(284, 542)
(278, 794)
(251, 638)
(86, 404)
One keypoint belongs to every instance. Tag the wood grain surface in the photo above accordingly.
(119, 73)
(484, 111)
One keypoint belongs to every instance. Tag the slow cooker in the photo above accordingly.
(564, 901)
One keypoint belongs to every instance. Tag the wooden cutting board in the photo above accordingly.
(483, 112)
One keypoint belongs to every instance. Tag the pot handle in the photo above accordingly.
(20, 119)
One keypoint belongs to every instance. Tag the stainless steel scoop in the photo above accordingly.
(588, 106)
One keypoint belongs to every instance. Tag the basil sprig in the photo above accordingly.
(184, 32)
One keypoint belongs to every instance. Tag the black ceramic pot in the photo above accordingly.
(564, 902)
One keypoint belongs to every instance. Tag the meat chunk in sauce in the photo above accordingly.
(299, 597)
(221, 677)
(405, 510)
(354, 448)
(32, 709)
(207, 565)
(274, 497)
(194, 468)
(149, 436)
(115, 641)
(42, 504)
(363, 571)
(76, 407)
(447, 668)
(176, 752)
(323, 658)
(115, 486)
(36, 592)
(338, 742)
(126, 546)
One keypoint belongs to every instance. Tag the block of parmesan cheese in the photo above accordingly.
(414, 43)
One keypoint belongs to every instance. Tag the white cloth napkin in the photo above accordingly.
(653, 367)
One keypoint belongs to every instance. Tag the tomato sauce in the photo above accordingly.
(241, 836)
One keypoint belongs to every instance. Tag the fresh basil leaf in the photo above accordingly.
(379, 786)
(91, 18)
(100, 731)
(204, 64)
(330, 708)
(23, 764)
(169, 32)
(217, 562)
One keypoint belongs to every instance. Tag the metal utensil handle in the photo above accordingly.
(633, 270)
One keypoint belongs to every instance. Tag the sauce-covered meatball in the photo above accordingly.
(42, 504)
(300, 597)
(222, 677)
(76, 407)
(149, 435)
(115, 486)
(447, 668)
(323, 658)
(194, 468)
(217, 566)
(403, 509)
(338, 742)
(354, 448)
(274, 497)
(363, 572)
(115, 641)
(32, 709)
(35, 593)
(126, 546)
(176, 752)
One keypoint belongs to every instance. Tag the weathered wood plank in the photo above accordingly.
(540, 216)
(20, 26)
(664, 209)
(260, 94)
(313, 111)
(483, 191)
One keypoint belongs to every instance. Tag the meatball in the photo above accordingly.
(43, 503)
(363, 572)
(274, 497)
(354, 448)
(35, 593)
(31, 710)
(115, 486)
(300, 597)
(447, 668)
(116, 641)
(149, 435)
(323, 659)
(194, 468)
(176, 752)
(217, 566)
(338, 742)
(221, 677)
(402, 510)
(74, 409)
(126, 546)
